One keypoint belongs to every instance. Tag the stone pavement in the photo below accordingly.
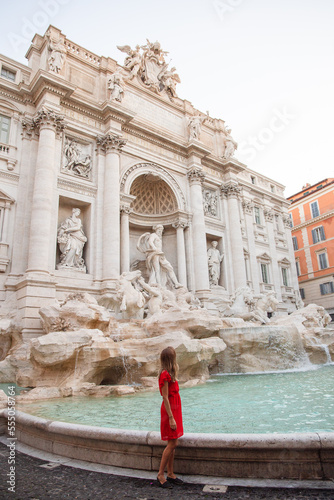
(48, 478)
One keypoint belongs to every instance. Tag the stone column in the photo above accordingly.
(125, 238)
(196, 177)
(293, 271)
(231, 190)
(269, 218)
(254, 270)
(49, 123)
(181, 253)
(112, 145)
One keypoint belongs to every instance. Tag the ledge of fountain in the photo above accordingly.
(271, 456)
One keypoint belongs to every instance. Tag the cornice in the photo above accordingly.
(311, 222)
(10, 176)
(76, 187)
(44, 81)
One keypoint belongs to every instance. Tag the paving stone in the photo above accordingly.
(63, 482)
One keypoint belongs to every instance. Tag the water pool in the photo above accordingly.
(296, 401)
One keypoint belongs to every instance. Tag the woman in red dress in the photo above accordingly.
(171, 416)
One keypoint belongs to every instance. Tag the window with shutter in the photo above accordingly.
(315, 209)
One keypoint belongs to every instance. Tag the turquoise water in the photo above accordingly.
(298, 401)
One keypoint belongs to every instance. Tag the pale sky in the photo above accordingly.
(263, 66)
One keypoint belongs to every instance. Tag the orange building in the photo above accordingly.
(312, 220)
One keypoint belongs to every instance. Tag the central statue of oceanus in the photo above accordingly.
(160, 269)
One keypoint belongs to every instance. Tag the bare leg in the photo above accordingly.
(168, 451)
(170, 465)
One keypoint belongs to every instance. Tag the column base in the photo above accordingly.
(33, 291)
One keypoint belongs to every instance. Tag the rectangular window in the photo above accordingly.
(295, 242)
(315, 209)
(257, 215)
(291, 220)
(265, 273)
(4, 129)
(318, 234)
(277, 222)
(298, 267)
(302, 293)
(7, 73)
(326, 288)
(322, 258)
(285, 276)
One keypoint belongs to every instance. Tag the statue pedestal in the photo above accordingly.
(220, 298)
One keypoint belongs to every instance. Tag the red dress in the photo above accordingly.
(175, 405)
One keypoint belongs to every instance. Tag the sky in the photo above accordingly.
(264, 66)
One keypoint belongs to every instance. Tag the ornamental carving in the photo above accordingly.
(268, 214)
(196, 175)
(248, 207)
(153, 169)
(110, 142)
(286, 221)
(210, 203)
(195, 125)
(230, 189)
(147, 64)
(125, 209)
(48, 118)
(77, 159)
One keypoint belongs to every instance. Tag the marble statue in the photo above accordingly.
(214, 261)
(133, 61)
(130, 296)
(116, 85)
(230, 144)
(71, 240)
(76, 162)
(57, 55)
(147, 62)
(160, 269)
(168, 79)
(194, 126)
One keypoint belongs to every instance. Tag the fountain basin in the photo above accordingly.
(274, 456)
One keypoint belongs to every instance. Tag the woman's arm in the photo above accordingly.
(164, 391)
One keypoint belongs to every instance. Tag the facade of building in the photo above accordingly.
(312, 219)
(105, 152)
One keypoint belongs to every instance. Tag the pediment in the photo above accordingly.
(264, 257)
(4, 197)
(284, 262)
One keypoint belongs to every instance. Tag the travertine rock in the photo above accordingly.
(80, 310)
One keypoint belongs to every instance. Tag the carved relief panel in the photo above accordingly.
(77, 158)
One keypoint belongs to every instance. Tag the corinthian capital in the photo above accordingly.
(196, 175)
(46, 118)
(110, 142)
(268, 214)
(230, 189)
(247, 205)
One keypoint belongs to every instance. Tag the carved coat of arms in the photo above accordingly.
(147, 63)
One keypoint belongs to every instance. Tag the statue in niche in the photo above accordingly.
(71, 240)
(160, 269)
(116, 85)
(214, 261)
(76, 162)
(57, 54)
(195, 125)
(230, 144)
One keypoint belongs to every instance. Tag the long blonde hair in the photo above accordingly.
(168, 362)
